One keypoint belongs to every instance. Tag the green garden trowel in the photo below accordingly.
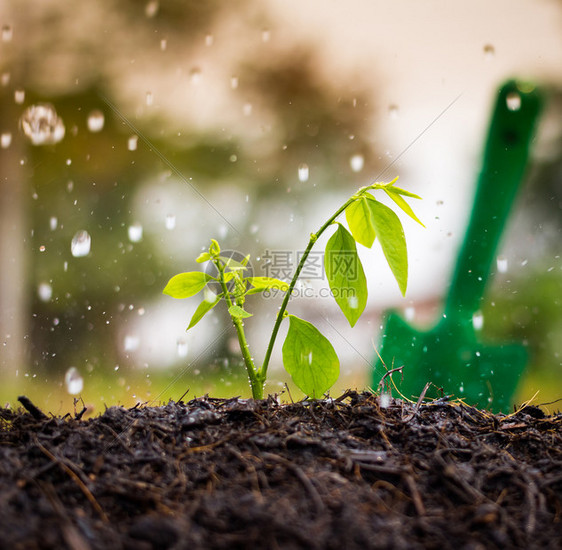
(450, 355)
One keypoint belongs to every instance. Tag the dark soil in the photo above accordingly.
(341, 473)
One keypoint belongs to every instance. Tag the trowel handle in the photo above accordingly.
(505, 158)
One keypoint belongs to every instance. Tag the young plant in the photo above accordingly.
(308, 356)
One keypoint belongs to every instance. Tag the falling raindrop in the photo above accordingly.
(234, 81)
(7, 33)
(353, 302)
(502, 264)
(170, 222)
(96, 120)
(149, 99)
(131, 342)
(81, 244)
(151, 9)
(195, 76)
(135, 232)
(393, 111)
(247, 109)
(478, 320)
(209, 40)
(53, 223)
(513, 101)
(182, 348)
(133, 142)
(5, 140)
(303, 172)
(73, 381)
(384, 400)
(5, 79)
(44, 291)
(163, 44)
(489, 51)
(41, 124)
(265, 35)
(410, 313)
(19, 96)
(357, 162)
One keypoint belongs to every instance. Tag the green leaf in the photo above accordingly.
(237, 311)
(400, 191)
(393, 242)
(309, 358)
(232, 264)
(203, 308)
(185, 285)
(402, 204)
(203, 257)
(214, 249)
(345, 274)
(359, 218)
(265, 283)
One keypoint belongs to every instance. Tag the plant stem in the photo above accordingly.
(262, 373)
(255, 382)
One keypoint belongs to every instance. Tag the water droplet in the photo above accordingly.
(5, 79)
(513, 101)
(353, 302)
(19, 96)
(384, 400)
(96, 120)
(5, 140)
(393, 111)
(489, 51)
(247, 109)
(131, 342)
(303, 172)
(132, 142)
(170, 222)
(233, 158)
(410, 313)
(461, 388)
(53, 223)
(68, 162)
(44, 291)
(149, 99)
(81, 244)
(7, 33)
(41, 124)
(478, 320)
(135, 232)
(254, 228)
(195, 76)
(502, 264)
(209, 40)
(182, 348)
(73, 381)
(234, 82)
(163, 44)
(357, 162)
(151, 9)
(265, 35)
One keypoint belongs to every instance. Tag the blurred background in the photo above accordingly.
(132, 132)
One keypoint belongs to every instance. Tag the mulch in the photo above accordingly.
(235, 473)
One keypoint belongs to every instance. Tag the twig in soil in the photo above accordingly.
(389, 373)
(34, 411)
(74, 476)
(301, 476)
(417, 406)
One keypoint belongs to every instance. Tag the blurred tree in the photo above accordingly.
(75, 56)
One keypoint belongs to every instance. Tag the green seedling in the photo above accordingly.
(308, 356)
